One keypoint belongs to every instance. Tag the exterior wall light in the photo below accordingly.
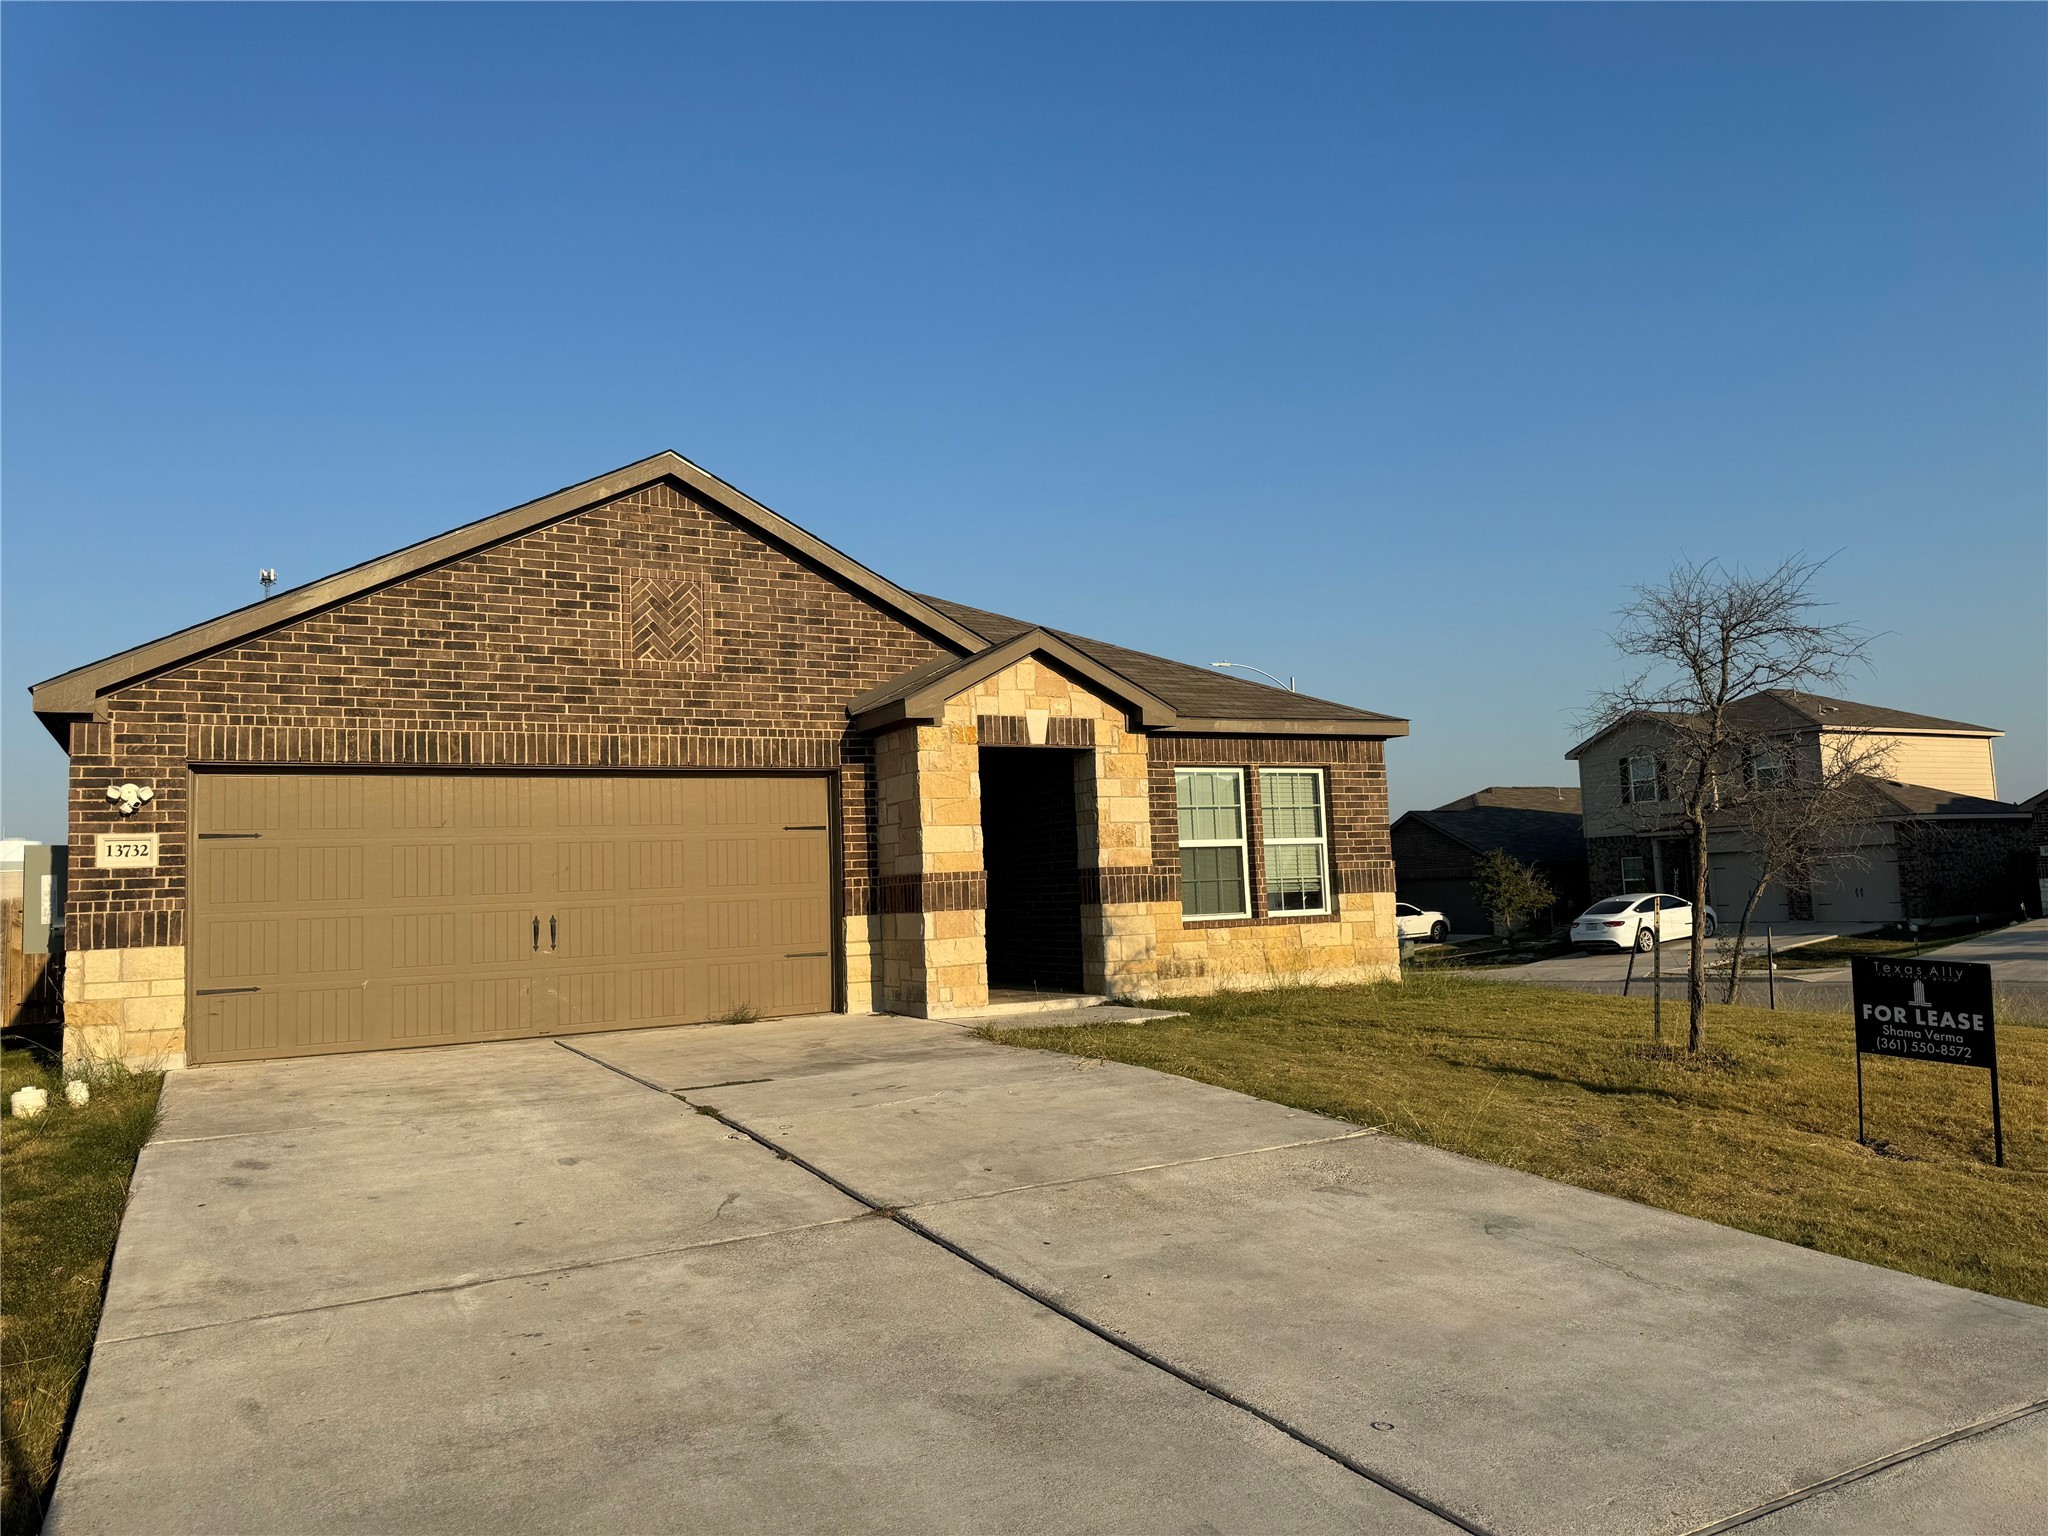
(130, 797)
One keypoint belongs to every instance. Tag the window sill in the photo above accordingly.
(1284, 920)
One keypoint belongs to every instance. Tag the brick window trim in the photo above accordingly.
(1342, 881)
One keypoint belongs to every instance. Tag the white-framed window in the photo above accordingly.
(1214, 878)
(1767, 770)
(1297, 840)
(1631, 874)
(1639, 780)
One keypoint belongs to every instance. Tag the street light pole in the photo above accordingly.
(1247, 667)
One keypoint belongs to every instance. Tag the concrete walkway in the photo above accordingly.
(892, 1277)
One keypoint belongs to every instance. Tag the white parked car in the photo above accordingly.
(1631, 922)
(1425, 927)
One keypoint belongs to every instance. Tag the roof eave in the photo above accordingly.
(1189, 725)
(927, 703)
(1983, 732)
(78, 691)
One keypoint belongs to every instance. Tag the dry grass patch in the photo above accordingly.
(1760, 1135)
(63, 1186)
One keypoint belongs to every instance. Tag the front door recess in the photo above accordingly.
(1031, 851)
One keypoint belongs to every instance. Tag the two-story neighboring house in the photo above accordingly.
(1938, 842)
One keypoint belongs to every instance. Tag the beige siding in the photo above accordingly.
(1959, 764)
(1600, 783)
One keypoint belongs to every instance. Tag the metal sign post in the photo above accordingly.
(1657, 972)
(1926, 1010)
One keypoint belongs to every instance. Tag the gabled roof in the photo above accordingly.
(1790, 710)
(923, 692)
(74, 694)
(1165, 695)
(1206, 701)
(1848, 715)
(1519, 797)
(1550, 837)
(1918, 800)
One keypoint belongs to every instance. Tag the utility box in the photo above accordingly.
(45, 875)
(31, 911)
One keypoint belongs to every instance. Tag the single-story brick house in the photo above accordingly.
(644, 752)
(2037, 809)
(1437, 853)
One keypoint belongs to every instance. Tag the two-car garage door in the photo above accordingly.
(351, 912)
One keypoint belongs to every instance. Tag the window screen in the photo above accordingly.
(1213, 880)
(1296, 840)
(1641, 787)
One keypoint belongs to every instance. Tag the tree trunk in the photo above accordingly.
(1696, 979)
(1756, 897)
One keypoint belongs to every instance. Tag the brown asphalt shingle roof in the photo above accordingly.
(1848, 715)
(1519, 797)
(1196, 692)
(1920, 800)
(1551, 837)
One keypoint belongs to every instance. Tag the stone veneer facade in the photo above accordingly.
(655, 632)
(1135, 942)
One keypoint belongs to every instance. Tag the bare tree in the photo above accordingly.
(1808, 820)
(1703, 640)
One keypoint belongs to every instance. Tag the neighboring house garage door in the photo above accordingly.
(358, 912)
(1731, 877)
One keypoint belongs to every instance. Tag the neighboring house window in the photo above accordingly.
(1767, 770)
(1631, 875)
(1639, 780)
(1213, 878)
(1297, 840)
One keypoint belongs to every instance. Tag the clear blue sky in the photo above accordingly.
(1384, 346)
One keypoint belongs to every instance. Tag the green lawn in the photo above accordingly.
(1761, 1136)
(63, 1185)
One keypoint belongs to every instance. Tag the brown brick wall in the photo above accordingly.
(1355, 777)
(519, 655)
(1949, 869)
(1423, 853)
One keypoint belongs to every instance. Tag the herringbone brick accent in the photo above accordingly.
(667, 620)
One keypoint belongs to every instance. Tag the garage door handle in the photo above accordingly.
(551, 933)
(536, 935)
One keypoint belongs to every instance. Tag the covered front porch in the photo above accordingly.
(1016, 855)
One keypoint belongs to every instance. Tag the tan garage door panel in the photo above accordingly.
(348, 912)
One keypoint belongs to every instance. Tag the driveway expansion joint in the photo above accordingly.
(1222, 1394)
(1871, 1468)
(472, 1283)
(1175, 1162)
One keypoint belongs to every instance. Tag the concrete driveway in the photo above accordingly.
(881, 1275)
(2016, 954)
(1604, 965)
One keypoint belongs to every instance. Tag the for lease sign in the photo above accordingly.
(1925, 1010)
